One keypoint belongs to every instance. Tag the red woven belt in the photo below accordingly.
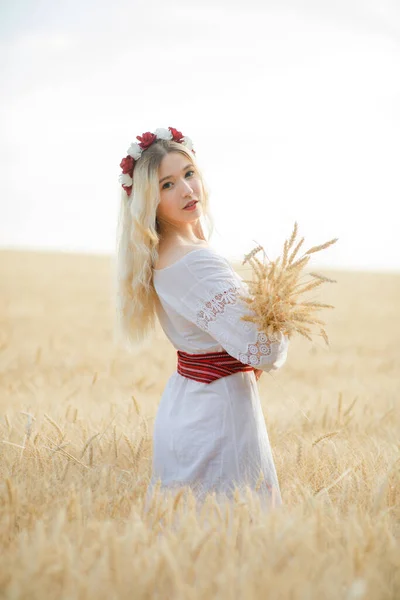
(209, 366)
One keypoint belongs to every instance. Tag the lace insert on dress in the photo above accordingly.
(216, 305)
(262, 347)
(209, 312)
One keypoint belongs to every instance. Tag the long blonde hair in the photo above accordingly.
(138, 238)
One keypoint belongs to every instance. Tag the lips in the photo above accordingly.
(190, 203)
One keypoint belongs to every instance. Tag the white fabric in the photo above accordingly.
(212, 436)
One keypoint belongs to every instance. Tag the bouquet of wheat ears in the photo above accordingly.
(276, 294)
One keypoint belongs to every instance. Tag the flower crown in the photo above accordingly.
(135, 151)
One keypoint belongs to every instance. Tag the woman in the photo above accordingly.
(209, 431)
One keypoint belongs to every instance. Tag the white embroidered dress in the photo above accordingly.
(212, 436)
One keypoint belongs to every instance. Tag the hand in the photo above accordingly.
(258, 373)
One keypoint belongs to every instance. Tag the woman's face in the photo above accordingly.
(179, 183)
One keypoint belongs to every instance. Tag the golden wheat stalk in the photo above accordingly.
(275, 294)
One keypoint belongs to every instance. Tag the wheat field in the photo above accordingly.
(76, 421)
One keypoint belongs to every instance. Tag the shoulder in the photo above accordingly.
(198, 274)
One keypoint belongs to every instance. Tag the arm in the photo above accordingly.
(206, 293)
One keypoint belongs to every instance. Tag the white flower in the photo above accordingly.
(125, 179)
(188, 142)
(135, 151)
(163, 134)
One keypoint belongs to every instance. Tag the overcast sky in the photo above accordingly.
(293, 109)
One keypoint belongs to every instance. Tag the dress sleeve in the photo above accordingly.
(207, 292)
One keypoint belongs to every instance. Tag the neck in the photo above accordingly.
(192, 234)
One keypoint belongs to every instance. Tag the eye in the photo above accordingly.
(168, 182)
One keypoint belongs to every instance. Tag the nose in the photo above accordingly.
(186, 188)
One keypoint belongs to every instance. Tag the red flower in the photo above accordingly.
(127, 165)
(146, 139)
(176, 135)
(127, 188)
